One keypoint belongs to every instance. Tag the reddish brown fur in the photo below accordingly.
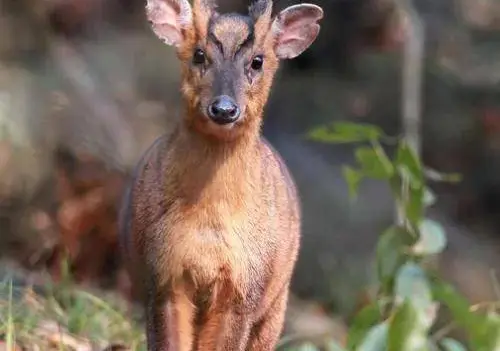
(211, 221)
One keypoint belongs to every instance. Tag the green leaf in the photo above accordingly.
(308, 347)
(442, 177)
(486, 335)
(375, 339)
(374, 162)
(429, 197)
(457, 304)
(405, 331)
(452, 177)
(353, 179)
(449, 344)
(391, 248)
(408, 160)
(327, 135)
(363, 321)
(365, 131)
(413, 286)
(410, 191)
(414, 207)
(411, 283)
(432, 238)
(333, 346)
(345, 132)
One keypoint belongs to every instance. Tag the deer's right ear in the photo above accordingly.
(295, 29)
(169, 19)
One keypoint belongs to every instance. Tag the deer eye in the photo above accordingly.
(199, 57)
(257, 62)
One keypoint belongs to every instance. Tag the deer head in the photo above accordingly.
(229, 60)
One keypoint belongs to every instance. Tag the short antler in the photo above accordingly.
(207, 5)
(260, 11)
(203, 11)
(260, 8)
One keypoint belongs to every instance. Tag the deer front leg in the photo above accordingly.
(223, 325)
(169, 320)
(265, 333)
(227, 331)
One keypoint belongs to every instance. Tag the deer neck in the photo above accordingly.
(212, 172)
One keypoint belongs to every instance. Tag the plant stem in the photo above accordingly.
(413, 56)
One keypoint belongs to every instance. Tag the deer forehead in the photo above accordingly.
(231, 32)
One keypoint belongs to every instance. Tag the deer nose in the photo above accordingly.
(223, 110)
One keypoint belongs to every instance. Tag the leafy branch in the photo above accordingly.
(409, 295)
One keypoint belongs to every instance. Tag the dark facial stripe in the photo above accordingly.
(216, 41)
(231, 32)
(248, 42)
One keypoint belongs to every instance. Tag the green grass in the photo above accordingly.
(66, 318)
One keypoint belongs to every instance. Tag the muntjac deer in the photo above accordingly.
(210, 225)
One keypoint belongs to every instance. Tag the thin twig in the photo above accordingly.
(412, 75)
(413, 56)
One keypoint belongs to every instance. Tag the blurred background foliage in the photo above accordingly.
(85, 87)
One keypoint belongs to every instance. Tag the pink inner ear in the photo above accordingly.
(301, 33)
(299, 17)
(169, 34)
(160, 14)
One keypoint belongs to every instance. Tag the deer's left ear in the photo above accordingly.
(169, 19)
(295, 29)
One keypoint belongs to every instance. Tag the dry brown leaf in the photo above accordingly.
(56, 336)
